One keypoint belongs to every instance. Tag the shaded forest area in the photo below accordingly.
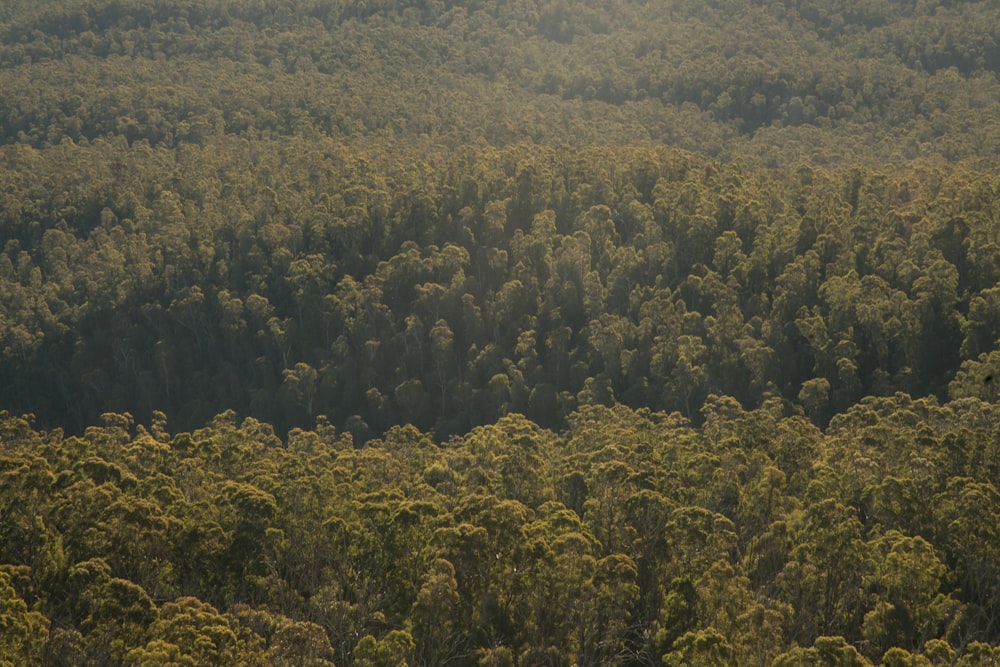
(288, 279)
(438, 214)
(499, 333)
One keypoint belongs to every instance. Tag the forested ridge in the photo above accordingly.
(498, 333)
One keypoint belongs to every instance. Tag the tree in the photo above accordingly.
(815, 398)
(703, 647)
(299, 388)
(443, 355)
(115, 613)
(911, 609)
(191, 630)
(23, 633)
(396, 649)
(432, 614)
(300, 643)
(253, 511)
(970, 547)
(823, 581)
(826, 651)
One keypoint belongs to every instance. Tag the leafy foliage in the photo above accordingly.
(396, 332)
(681, 543)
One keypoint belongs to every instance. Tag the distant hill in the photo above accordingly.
(817, 82)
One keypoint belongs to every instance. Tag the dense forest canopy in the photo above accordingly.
(629, 538)
(783, 81)
(386, 332)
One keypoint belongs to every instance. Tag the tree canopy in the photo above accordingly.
(388, 332)
(630, 537)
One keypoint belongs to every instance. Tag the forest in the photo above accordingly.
(427, 332)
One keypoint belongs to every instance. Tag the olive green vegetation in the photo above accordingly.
(499, 333)
(630, 537)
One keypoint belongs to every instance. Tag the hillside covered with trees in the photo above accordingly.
(627, 538)
(535, 332)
